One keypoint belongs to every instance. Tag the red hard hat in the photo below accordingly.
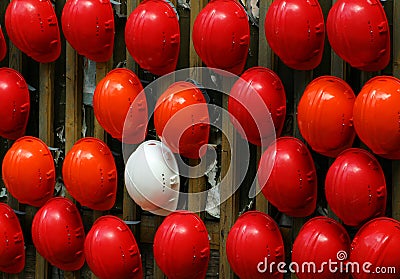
(253, 242)
(295, 31)
(29, 172)
(111, 250)
(32, 26)
(58, 234)
(355, 187)
(321, 240)
(181, 246)
(358, 32)
(90, 174)
(288, 178)
(376, 116)
(258, 93)
(119, 96)
(376, 247)
(325, 115)
(3, 45)
(14, 104)
(88, 25)
(152, 36)
(181, 119)
(12, 250)
(221, 35)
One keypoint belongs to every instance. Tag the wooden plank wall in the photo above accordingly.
(294, 81)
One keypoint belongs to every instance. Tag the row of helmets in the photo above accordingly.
(181, 243)
(357, 30)
(321, 250)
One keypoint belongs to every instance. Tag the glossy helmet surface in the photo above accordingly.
(3, 45)
(257, 94)
(358, 32)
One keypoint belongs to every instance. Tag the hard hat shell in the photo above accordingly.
(319, 241)
(152, 36)
(258, 93)
(377, 243)
(181, 246)
(3, 45)
(119, 97)
(111, 250)
(376, 117)
(12, 250)
(14, 104)
(295, 31)
(221, 35)
(292, 184)
(29, 172)
(358, 32)
(253, 239)
(325, 115)
(88, 25)
(152, 178)
(90, 174)
(355, 187)
(181, 119)
(32, 26)
(58, 234)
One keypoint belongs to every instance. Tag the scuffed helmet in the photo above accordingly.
(258, 93)
(325, 115)
(355, 187)
(321, 240)
(119, 96)
(152, 178)
(90, 174)
(12, 250)
(3, 45)
(253, 242)
(32, 26)
(88, 25)
(58, 234)
(111, 250)
(221, 35)
(182, 121)
(287, 177)
(29, 172)
(358, 32)
(181, 246)
(152, 36)
(376, 116)
(295, 31)
(14, 104)
(377, 245)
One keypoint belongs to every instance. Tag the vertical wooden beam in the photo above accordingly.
(396, 73)
(130, 63)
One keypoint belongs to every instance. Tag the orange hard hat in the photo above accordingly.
(221, 35)
(29, 171)
(120, 106)
(3, 45)
(325, 115)
(14, 104)
(358, 32)
(32, 26)
(58, 234)
(181, 119)
(258, 93)
(376, 116)
(291, 186)
(152, 36)
(295, 31)
(12, 249)
(90, 174)
(181, 246)
(355, 187)
(111, 250)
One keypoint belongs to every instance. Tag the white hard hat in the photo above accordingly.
(152, 178)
